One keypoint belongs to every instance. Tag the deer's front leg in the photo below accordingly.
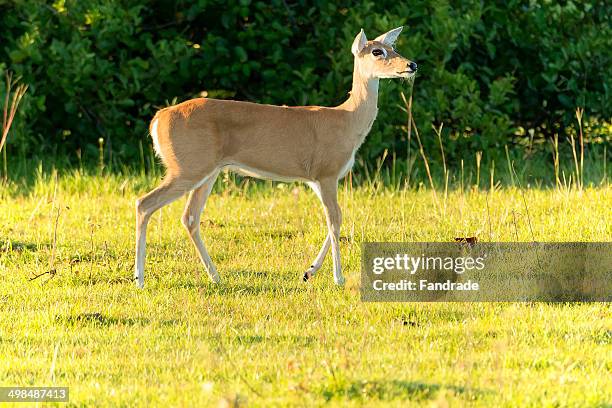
(318, 262)
(191, 220)
(329, 198)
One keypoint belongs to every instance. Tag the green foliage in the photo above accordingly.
(488, 71)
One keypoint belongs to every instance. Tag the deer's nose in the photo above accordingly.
(413, 66)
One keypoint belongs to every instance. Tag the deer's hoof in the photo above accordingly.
(307, 275)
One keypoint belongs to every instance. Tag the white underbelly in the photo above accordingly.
(265, 175)
(260, 174)
(347, 167)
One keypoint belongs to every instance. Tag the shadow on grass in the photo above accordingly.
(20, 246)
(224, 289)
(275, 339)
(99, 319)
(105, 280)
(281, 234)
(262, 283)
(255, 274)
(603, 337)
(394, 389)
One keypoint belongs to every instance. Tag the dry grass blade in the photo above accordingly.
(10, 109)
(53, 249)
(579, 113)
(408, 104)
(229, 359)
(412, 125)
(7, 98)
(426, 162)
(438, 131)
(555, 153)
(489, 216)
(577, 175)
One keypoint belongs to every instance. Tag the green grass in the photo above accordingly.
(265, 338)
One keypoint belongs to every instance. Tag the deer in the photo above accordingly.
(198, 138)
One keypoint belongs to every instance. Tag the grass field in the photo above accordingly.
(265, 338)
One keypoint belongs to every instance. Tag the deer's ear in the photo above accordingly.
(359, 43)
(389, 37)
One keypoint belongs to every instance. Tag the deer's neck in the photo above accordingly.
(362, 104)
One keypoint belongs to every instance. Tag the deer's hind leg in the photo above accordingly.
(191, 220)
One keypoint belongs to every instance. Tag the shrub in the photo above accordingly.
(489, 70)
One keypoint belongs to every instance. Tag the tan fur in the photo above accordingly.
(199, 137)
(296, 142)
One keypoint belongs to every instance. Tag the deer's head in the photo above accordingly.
(378, 59)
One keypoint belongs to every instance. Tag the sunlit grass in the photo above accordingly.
(263, 336)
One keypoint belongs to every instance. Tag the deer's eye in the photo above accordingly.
(377, 52)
